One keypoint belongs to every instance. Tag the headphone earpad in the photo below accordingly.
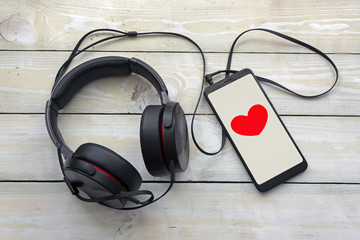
(111, 162)
(151, 141)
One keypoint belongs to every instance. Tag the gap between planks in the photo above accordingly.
(186, 114)
(202, 182)
(177, 51)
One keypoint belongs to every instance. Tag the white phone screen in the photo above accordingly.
(255, 129)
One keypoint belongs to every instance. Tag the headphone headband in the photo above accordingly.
(101, 67)
(71, 83)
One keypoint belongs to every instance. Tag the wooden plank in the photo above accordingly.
(50, 25)
(189, 211)
(215, 199)
(27, 78)
(330, 145)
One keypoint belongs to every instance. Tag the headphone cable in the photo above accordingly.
(293, 40)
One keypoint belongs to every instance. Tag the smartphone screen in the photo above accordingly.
(255, 130)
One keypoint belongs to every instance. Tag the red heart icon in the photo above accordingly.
(252, 124)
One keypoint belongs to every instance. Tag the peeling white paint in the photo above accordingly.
(331, 27)
(23, 90)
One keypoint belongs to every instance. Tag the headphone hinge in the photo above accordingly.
(164, 97)
(168, 116)
(66, 151)
(51, 104)
(73, 190)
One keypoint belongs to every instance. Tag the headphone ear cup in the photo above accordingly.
(93, 181)
(151, 141)
(110, 162)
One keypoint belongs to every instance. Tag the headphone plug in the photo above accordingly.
(208, 78)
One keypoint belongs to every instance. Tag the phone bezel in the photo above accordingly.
(278, 179)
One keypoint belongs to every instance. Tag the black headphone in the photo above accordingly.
(103, 175)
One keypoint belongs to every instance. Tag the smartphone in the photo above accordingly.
(255, 130)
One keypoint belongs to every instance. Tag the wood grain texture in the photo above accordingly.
(55, 25)
(215, 199)
(210, 211)
(329, 144)
(29, 78)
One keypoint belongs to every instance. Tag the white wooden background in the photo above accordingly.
(214, 198)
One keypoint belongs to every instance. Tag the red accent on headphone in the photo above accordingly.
(109, 175)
